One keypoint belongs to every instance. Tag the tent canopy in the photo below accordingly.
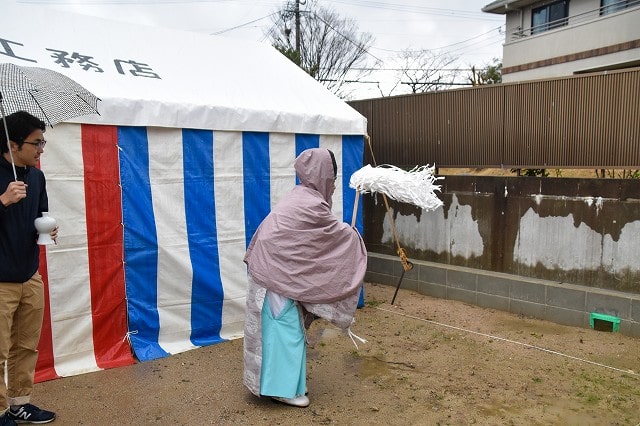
(148, 76)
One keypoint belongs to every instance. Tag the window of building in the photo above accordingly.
(550, 16)
(611, 6)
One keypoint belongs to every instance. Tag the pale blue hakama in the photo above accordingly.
(284, 353)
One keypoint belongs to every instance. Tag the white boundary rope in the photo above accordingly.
(514, 342)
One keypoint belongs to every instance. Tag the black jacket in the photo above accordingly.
(18, 249)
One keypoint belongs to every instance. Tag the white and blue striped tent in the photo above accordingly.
(158, 197)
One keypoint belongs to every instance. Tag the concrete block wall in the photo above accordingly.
(567, 304)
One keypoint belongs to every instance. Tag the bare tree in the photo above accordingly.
(331, 49)
(425, 70)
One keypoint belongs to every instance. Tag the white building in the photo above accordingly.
(546, 39)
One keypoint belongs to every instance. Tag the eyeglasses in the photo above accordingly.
(38, 143)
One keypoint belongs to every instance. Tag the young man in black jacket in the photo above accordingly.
(22, 200)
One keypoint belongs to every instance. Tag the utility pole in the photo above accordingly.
(297, 12)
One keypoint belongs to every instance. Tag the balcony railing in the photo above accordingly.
(589, 15)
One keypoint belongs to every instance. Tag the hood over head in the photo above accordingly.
(301, 250)
(316, 169)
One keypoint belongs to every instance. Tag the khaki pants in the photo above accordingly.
(21, 313)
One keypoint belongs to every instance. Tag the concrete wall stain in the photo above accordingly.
(454, 231)
(581, 231)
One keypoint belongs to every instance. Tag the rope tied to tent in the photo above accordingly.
(128, 334)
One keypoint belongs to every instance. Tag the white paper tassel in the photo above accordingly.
(353, 336)
(415, 186)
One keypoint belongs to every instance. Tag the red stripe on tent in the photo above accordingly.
(105, 241)
(45, 366)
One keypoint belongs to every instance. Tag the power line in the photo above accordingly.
(243, 25)
(349, 81)
(493, 30)
(128, 2)
(441, 49)
(457, 13)
(358, 45)
(433, 83)
(417, 69)
(481, 43)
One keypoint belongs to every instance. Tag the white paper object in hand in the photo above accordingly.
(416, 186)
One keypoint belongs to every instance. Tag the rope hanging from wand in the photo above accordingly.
(416, 187)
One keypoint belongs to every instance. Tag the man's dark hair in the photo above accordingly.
(20, 124)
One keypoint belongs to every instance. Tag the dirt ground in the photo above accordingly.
(427, 362)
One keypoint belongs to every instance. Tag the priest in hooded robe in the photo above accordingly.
(302, 263)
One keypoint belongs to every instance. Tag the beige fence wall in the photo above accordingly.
(588, 121)
(578, 231)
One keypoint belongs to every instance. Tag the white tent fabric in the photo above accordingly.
(158, 196)
(157, 77)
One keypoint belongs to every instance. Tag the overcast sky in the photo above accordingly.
(455, 26)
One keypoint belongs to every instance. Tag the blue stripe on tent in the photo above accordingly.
(305, 141)
(352, 159)
(140, 243)
(207, 294)
(257, 180)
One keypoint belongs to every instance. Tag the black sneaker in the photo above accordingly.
(29, 413)
(5, 420)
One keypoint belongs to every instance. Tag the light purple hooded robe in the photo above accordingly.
(302, 251)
